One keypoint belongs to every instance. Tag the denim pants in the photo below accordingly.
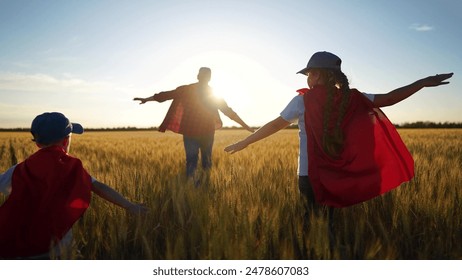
(192, 146)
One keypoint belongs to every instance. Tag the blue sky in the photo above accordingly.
(88, 59)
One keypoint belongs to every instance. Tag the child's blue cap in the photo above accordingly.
(48, 128)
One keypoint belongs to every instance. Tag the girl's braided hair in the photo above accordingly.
(333, 138)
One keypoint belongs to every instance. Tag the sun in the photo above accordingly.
(235, 77)
(230, 86)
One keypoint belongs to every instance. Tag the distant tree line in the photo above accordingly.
(427, 124)
(125, 128)
(419, 124)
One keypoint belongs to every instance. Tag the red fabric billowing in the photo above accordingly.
(374, 159)
(302, 91)
(50, 192)
(193, 112)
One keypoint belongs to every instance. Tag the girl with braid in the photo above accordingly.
(349, 151)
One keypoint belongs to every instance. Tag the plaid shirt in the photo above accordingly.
(194, 110)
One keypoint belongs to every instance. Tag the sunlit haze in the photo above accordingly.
(89, 59)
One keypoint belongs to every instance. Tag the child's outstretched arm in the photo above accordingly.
(111, 195)
(399, 94)
(265, 131)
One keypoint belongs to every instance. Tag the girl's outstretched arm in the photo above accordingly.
(399, 94)
(265, 131)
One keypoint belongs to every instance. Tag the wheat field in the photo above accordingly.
(249, 207)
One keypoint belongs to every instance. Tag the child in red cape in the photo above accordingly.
(48, 193)
(350, 152)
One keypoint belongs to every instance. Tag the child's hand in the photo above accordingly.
(137, 209)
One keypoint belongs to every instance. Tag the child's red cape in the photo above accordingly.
(374, 159)
(50, 192)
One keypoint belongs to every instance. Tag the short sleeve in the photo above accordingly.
(369, 96)
(293, 110)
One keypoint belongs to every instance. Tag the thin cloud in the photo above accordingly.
(46, 83)
(422, 27)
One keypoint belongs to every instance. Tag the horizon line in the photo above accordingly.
(423, 124)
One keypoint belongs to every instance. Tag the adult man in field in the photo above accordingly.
(194, 114)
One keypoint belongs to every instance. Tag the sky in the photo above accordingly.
(89, 59)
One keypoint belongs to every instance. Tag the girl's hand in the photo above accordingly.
(236, 147)
(433, 81)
